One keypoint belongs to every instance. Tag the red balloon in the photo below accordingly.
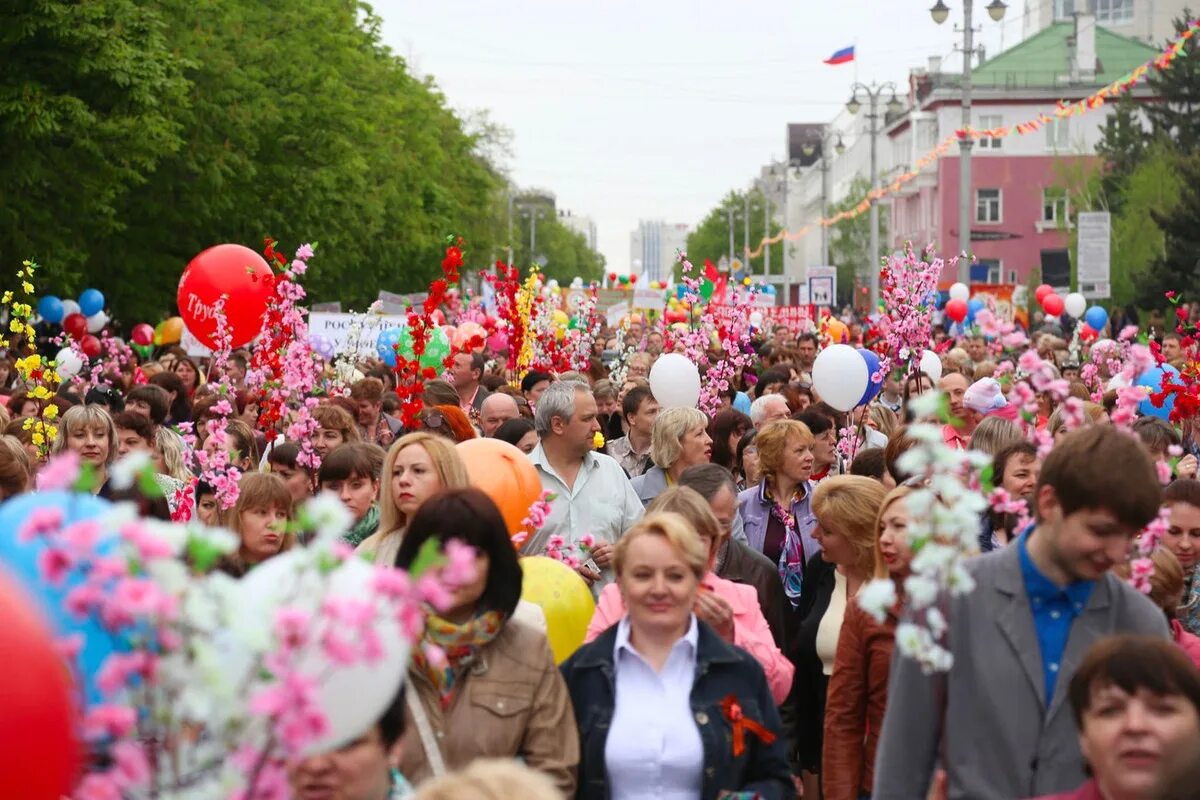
(40, 751)
(1053, 304)
(75, 325)
(1043, 290)
(1087, 333)
(232, 270)
(612, 276)
(142, 334)
(90, 346)
(633, 278)
(956, 310)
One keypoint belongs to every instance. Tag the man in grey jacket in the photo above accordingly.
(999, 722)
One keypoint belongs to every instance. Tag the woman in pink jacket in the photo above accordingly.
(729, 608)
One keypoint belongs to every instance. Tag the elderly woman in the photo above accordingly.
(494, 692)
(88, 431)
(660, 695)
(858, 685)
(678, 440)
(1137, 705)
(846, 508)
(417, 466)
(731, 609)
(777, 513)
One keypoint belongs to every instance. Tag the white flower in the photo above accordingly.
(959, 580)
(328, 515)
(877, 597)
(170, 574)
(921, 591)
(936, 622)
(125, 471)
(913, 640)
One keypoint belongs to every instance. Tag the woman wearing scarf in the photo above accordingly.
(777, 513)
(482, 685)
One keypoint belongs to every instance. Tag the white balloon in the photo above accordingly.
(353, 697)
(70, 307)
(840, 376)
(67, 363)
(960, 291)
(675, 382)
(756, 319)
(1075, 304)
(931, 365)
(97, 321)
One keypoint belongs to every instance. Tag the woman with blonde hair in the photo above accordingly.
(993, 434)
(858, 687)
(417, 466)
(777, 512)
(259, 518)
(490, 779)
(658, 696)
(678, 439)
(846, 508)
(169, 454)
(731, 609)
(88, 431)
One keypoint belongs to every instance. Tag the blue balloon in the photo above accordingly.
(51, 309)
(1096, 318)
(1153, 378)
(21, 560)
(385, 345)
(873, 385)
(91, 302)
(769, 289)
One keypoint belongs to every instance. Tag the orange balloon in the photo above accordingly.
(504, 474)
(837, 331)
(169, 331)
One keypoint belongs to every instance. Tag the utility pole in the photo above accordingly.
(875, 120)
(746, 234)
(766, 232)
(731, 255)
(510, 226)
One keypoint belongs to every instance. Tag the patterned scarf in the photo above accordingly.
(791, 559)
(363, 528)
(460, 644)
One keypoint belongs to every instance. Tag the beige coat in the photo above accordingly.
(511, 704)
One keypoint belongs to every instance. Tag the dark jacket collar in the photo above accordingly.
(710, 649)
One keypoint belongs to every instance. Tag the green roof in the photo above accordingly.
(1043, 60)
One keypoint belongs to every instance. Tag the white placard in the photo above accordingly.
(336, 328)
(615, 313)
(649, 299)
(192, 346)
(1093, 263)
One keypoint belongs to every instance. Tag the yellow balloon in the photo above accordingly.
(565, 599)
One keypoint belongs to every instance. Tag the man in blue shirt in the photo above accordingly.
(999, 722)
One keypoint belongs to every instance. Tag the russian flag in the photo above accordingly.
(846, 54)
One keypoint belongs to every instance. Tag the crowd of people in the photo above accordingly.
(728, 655)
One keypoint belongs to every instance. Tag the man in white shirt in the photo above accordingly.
(592, 493)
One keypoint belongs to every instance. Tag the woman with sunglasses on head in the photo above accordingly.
(446, 421)
(418, 466)
(495, 692)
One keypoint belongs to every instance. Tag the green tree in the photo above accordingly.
(850, 240)
(1177, 267)
(565, 252)
(86, 100)
(710, 239)
(1176, 114)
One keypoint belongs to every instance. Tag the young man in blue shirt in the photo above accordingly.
(999, 722)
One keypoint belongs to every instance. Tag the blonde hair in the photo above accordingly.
(666, 437)
(1092, 413)
(173, 449)
(672, 527)
(848, 505)
(691, 505)
(883, 417)
(772, 440)
(16, 470)
(1166, 580)
(490, 779)
(261, 490)
(993, 434)
(447, 463)
(899, 493)
(77, 417)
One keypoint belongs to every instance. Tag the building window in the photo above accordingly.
(987, 205)
(994, 271)
(1054, 206)
(987, 123)
(1063, 9)
(1058, 134)
(1012, 276)
(1113, 11)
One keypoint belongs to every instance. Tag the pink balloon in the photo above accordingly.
(497, 343)
(466, 332)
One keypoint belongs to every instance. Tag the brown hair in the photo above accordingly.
(439, 392)
(16, 471)
(1131, 662)
(898, 444)
(336, 418)
(1166, 581)
(1184, 490)
(347, 460)
(848, 505)
(1081, 470)
(369, 389)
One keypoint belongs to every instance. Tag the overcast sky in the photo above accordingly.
(655, 109)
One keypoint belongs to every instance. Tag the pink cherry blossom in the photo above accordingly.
(60, 472)
(40, 522)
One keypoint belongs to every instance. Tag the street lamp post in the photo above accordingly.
(940, 12)
(893, 106)
(827, 141)
(783, 171)
(533, 214)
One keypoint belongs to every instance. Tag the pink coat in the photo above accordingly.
(1188, 642)
(750, 630)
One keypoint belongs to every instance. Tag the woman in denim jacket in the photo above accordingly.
(695, 717)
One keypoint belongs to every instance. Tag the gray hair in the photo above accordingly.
(708, 480)
(666, 437)
(758, 409)
(557, 401)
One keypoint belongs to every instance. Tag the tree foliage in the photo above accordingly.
(562, 252)
(135, 135)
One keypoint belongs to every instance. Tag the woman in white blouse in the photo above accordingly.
(666, 708)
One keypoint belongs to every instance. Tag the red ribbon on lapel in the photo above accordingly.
(741, 723)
